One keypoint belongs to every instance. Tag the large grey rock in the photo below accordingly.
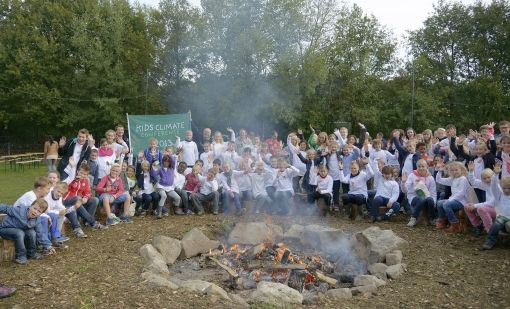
(204, 287)
(294, 233)
(395, 271)
(368, 280)
(213, 289)
(158, 281)
(338, 294)
(378, 270)
(394, 258)
(323, 238)
(254, 233)
(363, 289)
(169, 248)
(154, 261)
(276, 294)
(239, 300)
(373, 244)
(195, 242)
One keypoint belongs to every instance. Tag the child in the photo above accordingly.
(310, 178)
(228, 181)
(502, 205)
(55, 213)
(283, 185)
(152, 153)
(324, 188)
(94, 167)
(421, 191)
(192, 184)
(79, 195)
(230, 155)
(482, 210)
(218, 146)
(208, 192)
(179, 181)
(258, 177)
(21, 225)
(460, 191)
(334, 158)
(386, 194)
(357, 181)
(207, 157)
(106, 158)
(189, 148)
(145, 181)
(165, 176)
(111, 192)
(41, 189)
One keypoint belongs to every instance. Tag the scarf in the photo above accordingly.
(105, 152)
(229, 177)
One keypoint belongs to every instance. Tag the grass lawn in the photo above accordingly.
(14, 183)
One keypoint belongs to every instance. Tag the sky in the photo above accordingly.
(399, 16)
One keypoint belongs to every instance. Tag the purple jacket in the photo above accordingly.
(165, 178)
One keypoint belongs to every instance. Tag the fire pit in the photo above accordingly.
(300, 265)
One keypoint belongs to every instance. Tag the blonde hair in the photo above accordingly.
(41, 182)
(505, 181)
(459, 165)
(41, 202)
(61, 186)
(115, 165)
(487, 172)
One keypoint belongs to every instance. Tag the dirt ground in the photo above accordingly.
(103, 271)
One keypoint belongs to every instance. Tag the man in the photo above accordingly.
(504, 129)
(123, 139)
(206, 138)
(73, 153)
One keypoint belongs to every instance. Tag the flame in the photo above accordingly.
(280, 251)
(256, 275)
(234, 248)
(309, 278)
(316, 259)
(300, 260)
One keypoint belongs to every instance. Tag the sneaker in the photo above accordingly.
(412, 222)
(6, 291)
(116, 219)
(125, 219)
(189, 212)
(178, 212)
(62, 238)
(38, 256)
(433, 222)
(200, 213)
(486, 246)
(373, 219)
(58, 244)
(21, 260)
(78, 232)
(389, 213)
(111, 221)
(99, 226)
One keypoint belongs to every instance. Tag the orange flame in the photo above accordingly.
(256, 275)
(309, 278)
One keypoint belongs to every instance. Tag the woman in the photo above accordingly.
(51, 153)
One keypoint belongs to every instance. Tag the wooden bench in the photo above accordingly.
(22, 164)
(7, 249)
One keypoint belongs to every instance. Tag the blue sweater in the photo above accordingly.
(17, 217)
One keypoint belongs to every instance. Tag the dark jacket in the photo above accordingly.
(67, 151)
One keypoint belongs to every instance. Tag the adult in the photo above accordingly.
(73, 152)
(243, 141)
(206, 138)
(504, 130)
(122, 138)
(51, 153)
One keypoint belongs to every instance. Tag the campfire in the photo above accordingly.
(247, 265)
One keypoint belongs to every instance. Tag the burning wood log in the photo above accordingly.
(296, 279)
(229, 270)
(255, 250)
(285, 257)
(271, 265)
(319, 275)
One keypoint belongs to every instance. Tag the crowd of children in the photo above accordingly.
(432, 175)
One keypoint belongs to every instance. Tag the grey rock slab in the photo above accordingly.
(253, 233)
(395, 271)
(215, 290)
(239, 300)
(337, 294)
(158, 281)
(169, 248)
(326, 239)
(368, 280)
(294, 233)
(276, 294)
(378, 270)
(154, 261)
(372, 244)
(195, 242)
(394, 258)
(363, 289)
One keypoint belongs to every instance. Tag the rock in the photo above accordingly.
(295, 233)
(364, 289)
(378, 270)
(199, 286)
(338, 294)
(368, 280)
(239, 300)
(195, 242)
(158, 281)
(394, 258)
(154, 261)
(169, 248)
(395, 271)
(323, 238)
(215, 290)
(254, 233)
(310, 298)
(276, 294)
(372, 244)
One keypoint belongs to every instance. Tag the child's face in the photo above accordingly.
(53, 178)
(104, 144)
(189, 135)
(422, 149)
(207, 147)
(422, 168)
(226, 168)
(124, 166)
(82, 174)
(388, 176)
(311, 154)
(210, 176)
(438, 161)
(376, 146)
(130, 173)
(231, 146)
(333, 147)
(114, 172)
(302, 146)
(259, 168)
(352, 140)
(410, 134)
(42, 191)
(506, 188)
(441, 134)
(411, 147)
(486, 179)
(145, 167)
(505, 146)
(153, 144)
(479, 150)
(343, 132)
(484, 133)
(256, 140)
(110, 137)
(166, 163)
(58, 193)
(323, 172)
(274, 163)
(34, 211)
(346, 150)
(380, 164)
(426, 136)
(396, 173)
(455, 172)
(332, 139)
(281, 165)
(93, 156)
(354, 169)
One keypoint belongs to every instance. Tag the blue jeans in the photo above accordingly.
(282, 198)
(24, 240)
(382, 201)
(87, 211)
(370, 200)
(227, 199)
(497, 226)
(184, 198)
(261, 202)
(419, 202)
(147, 199)
(50, 232)
(447, 208)
(357, 199)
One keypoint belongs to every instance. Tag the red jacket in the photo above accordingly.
(117, 187)
(192, 183)
(78, 187)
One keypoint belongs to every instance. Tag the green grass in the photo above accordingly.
(14, 183)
